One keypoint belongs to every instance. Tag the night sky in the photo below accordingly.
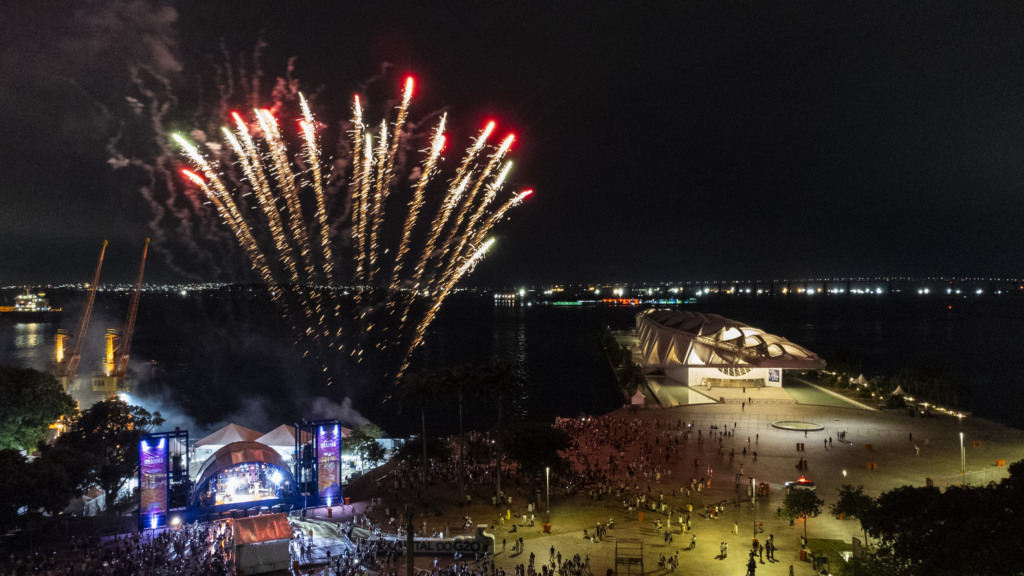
(666, 141)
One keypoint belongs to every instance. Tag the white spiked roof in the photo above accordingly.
(673, 338)
(228, 434)
(283, 435)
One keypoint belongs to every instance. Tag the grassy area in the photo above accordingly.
(835, 550)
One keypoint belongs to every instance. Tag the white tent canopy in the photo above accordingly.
(283, 435)
(282, 440)
(899, 391)
(638, 398)
(861, 380)
(228, 434)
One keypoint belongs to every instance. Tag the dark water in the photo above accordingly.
(204, 359)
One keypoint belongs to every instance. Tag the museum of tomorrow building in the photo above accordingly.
(709, 350)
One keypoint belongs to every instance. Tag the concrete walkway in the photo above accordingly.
(879, 453)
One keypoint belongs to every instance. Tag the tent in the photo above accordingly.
(899, 391)
(94, 501)
(638, 398)
(282, 439)
(227, 435)
(261, 543)
(861, 381)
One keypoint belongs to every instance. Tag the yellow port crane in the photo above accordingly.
(129, 325)
(67, 367)
(114, 378)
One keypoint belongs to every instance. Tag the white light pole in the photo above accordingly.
(963, 461)
(547, 491)
(753, 502)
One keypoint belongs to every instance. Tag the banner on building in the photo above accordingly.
(153, 482)
(329, 462)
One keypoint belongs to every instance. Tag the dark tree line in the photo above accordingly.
(532, 446)
(98, 447)
(925, 531)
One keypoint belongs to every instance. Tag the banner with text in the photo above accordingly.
(153, 482)
(329, 463)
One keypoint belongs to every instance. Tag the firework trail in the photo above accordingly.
(417, 201)
(467, 205)
(305, 275)
(386, 172)
(449, 281)
(445, 211)
(439, 298)
(312, 153)
(252, 167)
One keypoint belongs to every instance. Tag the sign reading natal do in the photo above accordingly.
(480, 543)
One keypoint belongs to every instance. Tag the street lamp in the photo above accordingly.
(963, 461)
(753, 501)
(547, 491)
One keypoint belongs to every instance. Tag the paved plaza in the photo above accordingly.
(882, 450)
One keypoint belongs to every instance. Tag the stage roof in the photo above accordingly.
(239, 453)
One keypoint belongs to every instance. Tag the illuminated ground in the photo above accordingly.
(881, 439)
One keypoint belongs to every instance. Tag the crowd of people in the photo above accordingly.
(191, 550)
(615, 458)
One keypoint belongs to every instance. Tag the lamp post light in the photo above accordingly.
(547, 491)
(753, 502)
(963, 461)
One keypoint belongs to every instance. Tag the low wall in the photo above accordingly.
(481, 542)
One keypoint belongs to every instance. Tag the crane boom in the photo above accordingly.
(76, 355)
(129, 324)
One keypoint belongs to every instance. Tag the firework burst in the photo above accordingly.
(372, 295)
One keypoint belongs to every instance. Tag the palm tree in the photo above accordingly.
(503, 377)
(631, 376)
(417, 391)
(462, 379)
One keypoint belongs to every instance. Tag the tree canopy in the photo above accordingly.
(32, 401)
(536, 446)
(802, 504)
(853, 503)
(101, 445)
(363, 443)
(962, 530)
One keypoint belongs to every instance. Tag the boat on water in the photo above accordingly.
(30, 308)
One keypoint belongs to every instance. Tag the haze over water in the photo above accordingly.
(223, 356)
